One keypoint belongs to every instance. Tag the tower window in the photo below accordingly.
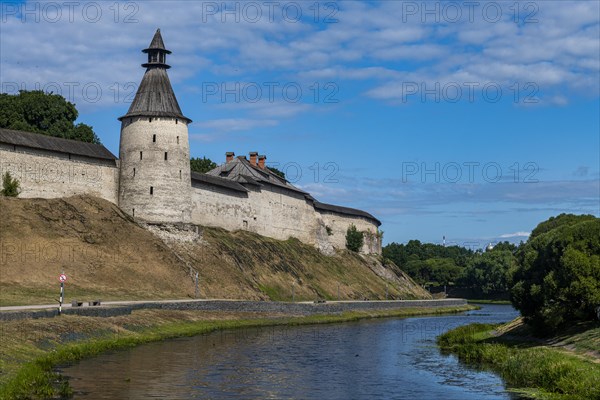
(179, 174)
(176, 121)
(166, 156)
(141, 154)
(133, 212)
(154, 138)
(149, 119)
(151, 190)
(134, 172)
(177, 139)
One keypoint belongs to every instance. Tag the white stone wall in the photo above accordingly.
(218, 207)
(46, 174)
(282, 214)
(339, 224)
(277, 213)
(152, 188)
(270, 211)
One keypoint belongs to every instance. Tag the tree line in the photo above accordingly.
(553, 279)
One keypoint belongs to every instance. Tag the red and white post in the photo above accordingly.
(62, 278)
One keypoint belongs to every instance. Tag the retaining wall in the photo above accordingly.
(239, 306)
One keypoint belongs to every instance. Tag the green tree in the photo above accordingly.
(45, 113)
(443, 270)
(10, 186)
(558, 278)
(202, 164)
(506, 245)
(423, 261)
(490, 272)
(354, 239)
(277, 172)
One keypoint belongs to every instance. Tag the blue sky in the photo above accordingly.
(441, 118)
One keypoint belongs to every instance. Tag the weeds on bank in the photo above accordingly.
(554, 373)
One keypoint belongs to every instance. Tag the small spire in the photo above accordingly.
(157, 53)
(157, 42)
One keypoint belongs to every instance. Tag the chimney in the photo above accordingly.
(253, 155)
(229, 156)
(261, 161)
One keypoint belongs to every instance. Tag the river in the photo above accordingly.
(369, 359)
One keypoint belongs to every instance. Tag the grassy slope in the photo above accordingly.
(108, 256)
(566, 366)
(31, 348)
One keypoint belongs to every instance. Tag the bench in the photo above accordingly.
(94, 303)
(76, 303)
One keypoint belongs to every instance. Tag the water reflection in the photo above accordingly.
(388, 359)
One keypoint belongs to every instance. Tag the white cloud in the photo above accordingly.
(374, 42)
(516, 234)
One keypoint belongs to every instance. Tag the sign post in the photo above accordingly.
(62, 278)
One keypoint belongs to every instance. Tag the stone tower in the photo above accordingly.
(155, 183)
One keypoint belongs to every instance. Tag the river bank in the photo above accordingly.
(565, 366)
(32, 348)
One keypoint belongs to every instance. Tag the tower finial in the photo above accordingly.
(157, 53)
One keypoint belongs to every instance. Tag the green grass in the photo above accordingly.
(37, 380)
(483, 301)
(530, 369)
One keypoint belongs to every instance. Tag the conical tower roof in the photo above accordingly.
(157, 43)
(155, 96)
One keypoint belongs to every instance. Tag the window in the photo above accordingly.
(151, 190)
(133, 212)
(134, 172)
(180, 174)
(141, 154)
(176, 121)
(154, 138)
(166, 156)
(149, 119)
(177, 139)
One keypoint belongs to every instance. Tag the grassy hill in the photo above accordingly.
(108, 255)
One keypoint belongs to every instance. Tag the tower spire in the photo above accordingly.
(155, 96)
(157, 53)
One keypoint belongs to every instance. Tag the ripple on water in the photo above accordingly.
(389, 359)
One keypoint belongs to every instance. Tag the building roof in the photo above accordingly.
(240, 170)
(216, 181)
(51, 143)
(155, 96)
(344, 210)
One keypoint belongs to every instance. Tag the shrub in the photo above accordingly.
(354, 239)
(10, 186)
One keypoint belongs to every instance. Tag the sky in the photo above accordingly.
(469, 120)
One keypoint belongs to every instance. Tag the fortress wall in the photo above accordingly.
(270, 211)
(339, 224)
(47, 174)
(220, 207)
(279, 214)
(282, 214)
